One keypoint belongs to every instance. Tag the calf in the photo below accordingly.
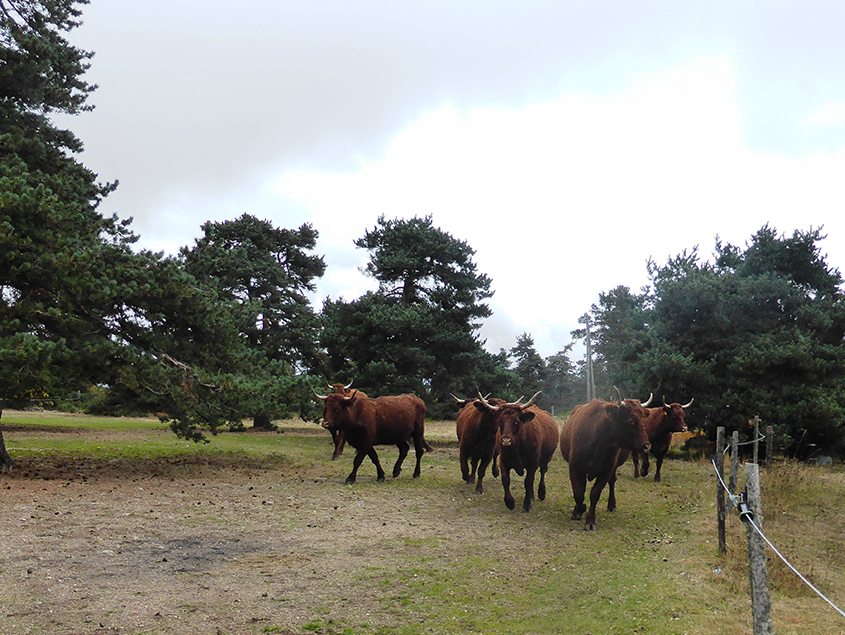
(590, 442)
(525, 442)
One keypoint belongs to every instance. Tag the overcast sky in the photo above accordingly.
(566, 142)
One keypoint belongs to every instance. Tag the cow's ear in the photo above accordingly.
(526, 416)
(479, 406)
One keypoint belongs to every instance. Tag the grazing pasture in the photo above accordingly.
(115, 526)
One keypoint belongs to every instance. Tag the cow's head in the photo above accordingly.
(336, 407)
(628, 416)
(674, 415)
(508, 416)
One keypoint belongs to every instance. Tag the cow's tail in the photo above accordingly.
(426, 446)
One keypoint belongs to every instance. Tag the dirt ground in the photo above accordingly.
(232, 547)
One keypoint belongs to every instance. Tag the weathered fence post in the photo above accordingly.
(756, 438)
(770, 445)
(761, 604)
(720, 491)
(734, 463)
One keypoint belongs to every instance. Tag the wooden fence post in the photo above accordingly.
(720, 491)
(734, 463)
(761, 604)
(756, 438)
(770, 445)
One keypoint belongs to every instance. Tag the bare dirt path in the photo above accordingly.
(235, 545)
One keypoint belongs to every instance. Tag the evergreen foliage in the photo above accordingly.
(418, 332)
(757, 332)
(78, 307)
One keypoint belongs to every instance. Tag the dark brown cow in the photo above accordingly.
(525, 442)
(590, 442)
(338, 436)
(476, 427)
(369, 422)
(660, 425)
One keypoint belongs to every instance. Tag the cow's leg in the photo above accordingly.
(530, 472)
(541, 488)
(339, 442)
(356, 463)
(419, 449)
(635, 459)
(595, 494)
(494, 470)
(374, 458)
(482, 468)
(465, 474)
(644, 471)
(658, 460)
(472, 473)
(611, 496)
(506, 483)
(403, 452)
(579, 487)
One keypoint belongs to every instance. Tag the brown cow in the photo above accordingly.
(590, 442)
(338, 436)
(660, 425)
(476, 429)
(525, 442)
(369, 422)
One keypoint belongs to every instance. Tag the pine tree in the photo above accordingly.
(418, 332)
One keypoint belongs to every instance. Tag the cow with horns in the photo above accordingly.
(526, 440)
(367, 422)
(660, 425)
(591, 440)
(338, 437)
(476, 428)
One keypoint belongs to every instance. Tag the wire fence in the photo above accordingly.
(748, 517)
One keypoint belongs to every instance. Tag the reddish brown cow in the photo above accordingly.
(525, 442)
(590, 442)
(369, 422)
(660, 425)
(338, 436)
(476, 428)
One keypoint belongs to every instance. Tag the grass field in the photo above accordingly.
(270, 540)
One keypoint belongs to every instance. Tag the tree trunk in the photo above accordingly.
(262, 421)
(6, 462)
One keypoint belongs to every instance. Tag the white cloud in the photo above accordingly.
(828, 115)
(568, 198)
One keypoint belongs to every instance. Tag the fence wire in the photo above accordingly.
(734, 499)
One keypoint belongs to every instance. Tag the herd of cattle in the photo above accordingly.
(595, 440)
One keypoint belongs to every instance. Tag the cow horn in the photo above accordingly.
(319, 396)
(618, 394)
(350, 397)
(487, 405)
(348, 386)
(459, 401)
(650, 397)
(689, 404)
(531, 401)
